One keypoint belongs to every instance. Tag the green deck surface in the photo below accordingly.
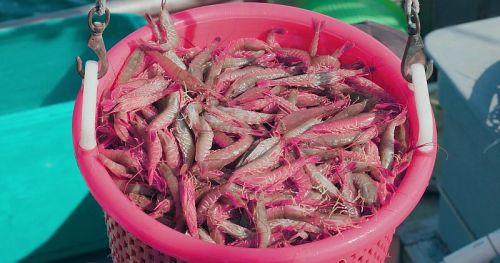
(46, 212)
(384, 12)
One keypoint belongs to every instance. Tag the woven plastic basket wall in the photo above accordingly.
(127, 248)
(369, 242)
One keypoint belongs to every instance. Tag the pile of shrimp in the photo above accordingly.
(253, 144)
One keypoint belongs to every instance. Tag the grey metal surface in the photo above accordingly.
(468, 54)
(468, 62)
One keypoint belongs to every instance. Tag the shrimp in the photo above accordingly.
(318, 25)
(168, 115)
(170, 149)
(249, 117)
(220, 158)
(271, 37)
(246, 44)
(350, 111)
(204, 141)
(247, 81)
(184, 138)
(262, 226)
(319, 180)
(259, 166)
(313, 80)
(366, 187)
(115, 168)
(386, 147)
(196, 65)
(187, 196)
(133, 65)
(173, 187)
(297, 118)
(274, 177)
(222, 139)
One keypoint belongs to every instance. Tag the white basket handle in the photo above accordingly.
(90, 82)
(424, 109)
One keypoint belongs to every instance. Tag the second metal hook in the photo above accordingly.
(414, 50)
(96, 43)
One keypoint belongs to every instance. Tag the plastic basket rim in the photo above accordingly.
(179, 245)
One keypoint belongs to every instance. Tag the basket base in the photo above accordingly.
(127, 248)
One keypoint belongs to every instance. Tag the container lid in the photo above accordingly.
(469, 54)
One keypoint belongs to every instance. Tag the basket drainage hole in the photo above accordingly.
(370, 251)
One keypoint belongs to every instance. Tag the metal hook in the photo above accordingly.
(414, 50)
(96, 43)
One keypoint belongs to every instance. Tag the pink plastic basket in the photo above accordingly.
(135, 237)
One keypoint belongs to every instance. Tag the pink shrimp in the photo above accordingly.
(154, 154)
(115, 168)
(328, 139)
(271, 37)
(219, 125)
(247, 81)
(250, 95)
(173, 188)
(208, 200)
(262, 225)
(249, 117)
(123, 88)
(228, 76)
(257, 105)
(141, 201)
(222, 139)
(161, 208)
(246, 44)
(260, 164)
(350, 111)
(235, 230)
(168, 115)
(121, 125)
(260, 149)
(319, 180)
(295, 119)
(313, 80)
(329, 62)
(204, 139)
(205, 236)
(305, 99)
(276, 176)
(149, 112)
(170, 149)
(122, 157)
(184, 138)
(368, 87)
(220, 158)
(293, 55)
(355, 123)
(366, 187)
(131, 102)
(303, 184)
(176, 73)
(196, 65)
(386, 147)
(187, 194)
(282, 103)
(134, 64)
(318, 26)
